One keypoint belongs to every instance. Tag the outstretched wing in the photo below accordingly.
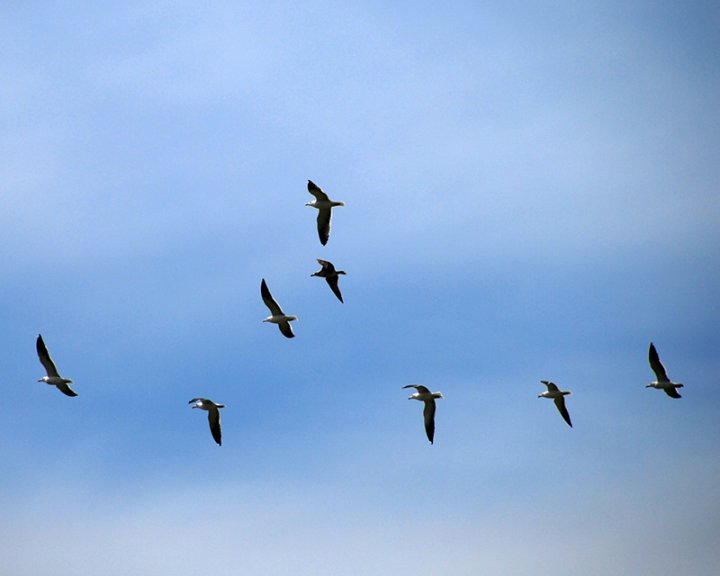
(45, 359)
(269, 300)
(315, 190)
(286, 329)
(327, 266)
(419, 387)
(429, 415)
(65, 389)
(323, 224)
(672, 392)
(560, 403)
(657, 366)
(550, 386)
(214, 420)
(333, 283)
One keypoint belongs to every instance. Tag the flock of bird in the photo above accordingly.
(324, 205)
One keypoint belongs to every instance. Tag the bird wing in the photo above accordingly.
(45, 359)
(65, 389)
(419, 387)
(315, 190)
(429, 415)
(327, 266)
(672, 392)
(323, 224)
(214, 420)
(333, 283)
(269, 300)
(657, 366)
(286, 329)
(560, 403)
(195, 400)
(550, 386)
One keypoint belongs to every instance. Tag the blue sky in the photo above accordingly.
(531, 193)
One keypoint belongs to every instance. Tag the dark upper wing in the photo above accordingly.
(65, 389)
(323, 224)
(269, 300)
(429, 415)
(550, 386)
(214, 420)
(419, 388)
(672, 392)
(327, 266)
(656, 365)
(316, 191)
(333, 283)
(560, 403)
(45, 359)
(286, 329)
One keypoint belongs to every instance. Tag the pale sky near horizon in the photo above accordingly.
(531, 192)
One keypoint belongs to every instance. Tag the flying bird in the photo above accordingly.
(277, 315)
(331, 276)
(324, 206)
(558, 397)
(662, 382)
(213, 416)
(424, 395)
(53, 376)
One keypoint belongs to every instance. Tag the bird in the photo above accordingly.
(278, 316)
(53, 376)
(558, 397)
(324, 206)
(331, 276)
(662, 382)
(213, 416)
(424, 395)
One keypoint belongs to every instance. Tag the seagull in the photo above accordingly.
(278, 316)
(213, 416)
(424, 395)
(331, 276)
(662, 382)
(53, 376)
(557, 395)
(324, 206)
